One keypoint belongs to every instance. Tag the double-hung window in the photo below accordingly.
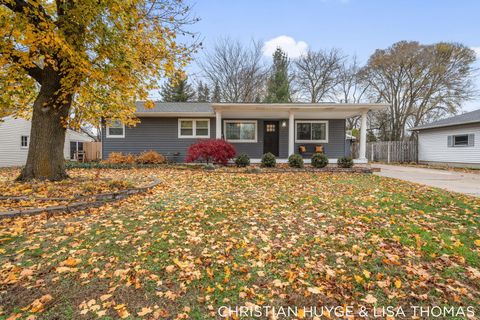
(24, 142)
(311, 131)
(241, 130)
(194, 128)
(116, 129)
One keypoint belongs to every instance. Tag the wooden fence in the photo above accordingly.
(389, 151)
(93, 151)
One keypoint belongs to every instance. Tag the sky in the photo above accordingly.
(357, 27)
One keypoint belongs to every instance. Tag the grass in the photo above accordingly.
(202, 240)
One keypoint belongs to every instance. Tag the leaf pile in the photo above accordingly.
(82, 183)
(202, 239)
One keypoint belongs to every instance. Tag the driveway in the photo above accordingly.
(467, 183)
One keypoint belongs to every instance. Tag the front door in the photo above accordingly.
(270, 137)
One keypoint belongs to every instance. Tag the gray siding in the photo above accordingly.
(335, 148)
(157, 134)
(161, 135)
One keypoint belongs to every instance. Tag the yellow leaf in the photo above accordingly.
(398, 283)
(170, 268)
(70, 262)
(144, 312)
(358, 278)
(105, 297)
(367, 274)
(477, 242)
(122, 311)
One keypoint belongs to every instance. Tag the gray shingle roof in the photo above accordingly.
(176, 107)
(469, 117)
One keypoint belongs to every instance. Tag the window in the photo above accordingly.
(311, 131)
(194, 128)
(24, 142)
(461, 140)
(116, 129)
(241, 130)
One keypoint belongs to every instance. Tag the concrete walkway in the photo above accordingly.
(467, 183)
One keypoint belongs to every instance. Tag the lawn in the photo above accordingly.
(205, 239)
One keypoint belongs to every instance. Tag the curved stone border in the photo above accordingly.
(97, 200)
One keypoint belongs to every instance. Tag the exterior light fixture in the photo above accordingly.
(284, 123)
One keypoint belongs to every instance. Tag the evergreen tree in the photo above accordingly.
(203, 92)
(278, 86)
(217, 95)
(177, 90)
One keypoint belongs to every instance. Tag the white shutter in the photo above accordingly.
(449, 141)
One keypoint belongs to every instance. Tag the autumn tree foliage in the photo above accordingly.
(63, 62)
(211, 151)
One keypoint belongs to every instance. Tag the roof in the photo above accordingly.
(176, 107)
(208, 109)
(466, 118)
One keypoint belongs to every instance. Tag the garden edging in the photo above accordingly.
(97, 200)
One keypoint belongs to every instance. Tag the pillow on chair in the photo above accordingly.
(319, 149)
(302, 149)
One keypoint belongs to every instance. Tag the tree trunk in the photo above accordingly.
(47, 136)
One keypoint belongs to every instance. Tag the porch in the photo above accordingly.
(283, 129)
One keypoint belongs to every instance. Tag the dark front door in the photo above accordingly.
(270, 137)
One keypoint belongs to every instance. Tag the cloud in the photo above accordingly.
(477, 51)
(293, 48)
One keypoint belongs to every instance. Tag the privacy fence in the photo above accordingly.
(389, 151)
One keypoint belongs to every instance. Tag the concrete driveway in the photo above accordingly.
(467, 183)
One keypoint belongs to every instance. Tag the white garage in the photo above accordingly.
(453, 141)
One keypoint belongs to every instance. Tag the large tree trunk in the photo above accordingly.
(47, 136)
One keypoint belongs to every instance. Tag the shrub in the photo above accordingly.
(242, 160)
(120, 158)
(345, 162)
(211, 150)
(150, 157)
(319, 160)
(295, 161)
(268, 160)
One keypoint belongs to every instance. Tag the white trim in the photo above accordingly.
(194, 128)
(28, 141)
(291, 133)
(461, 145)
(218, 125)
(312, 141)
(115, 135)
(241, 121)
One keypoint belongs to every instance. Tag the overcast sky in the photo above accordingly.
(354, 26)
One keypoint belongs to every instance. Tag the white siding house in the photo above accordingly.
(454, 141)
(15, 137)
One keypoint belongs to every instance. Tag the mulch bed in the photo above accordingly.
(81, 203)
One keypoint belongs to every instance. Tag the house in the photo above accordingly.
(15, 138)
(253, 128)
(453, 141)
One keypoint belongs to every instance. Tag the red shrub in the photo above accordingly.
(216, 151)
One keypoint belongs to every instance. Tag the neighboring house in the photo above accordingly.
(15, 138)
(253, 128)
(454, 141)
